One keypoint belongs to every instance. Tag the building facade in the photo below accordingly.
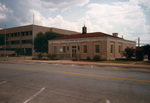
(22, 37)
(90, 44)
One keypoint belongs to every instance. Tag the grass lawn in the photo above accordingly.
(127, 62)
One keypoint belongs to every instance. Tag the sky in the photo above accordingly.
(129, 18)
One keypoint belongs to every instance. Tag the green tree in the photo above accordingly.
(52, 35)
(41, 41)
(128, 53)
(139, 54)
(149, 54)
(145, 49)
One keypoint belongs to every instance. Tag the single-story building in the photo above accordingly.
(85, 45)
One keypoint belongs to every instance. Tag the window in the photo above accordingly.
(119, 48)
(15, 42)
(85, 49)
(26, 41)
(27, 33)
(22, 33)
(15, 34)
(55, 49)
(64, 49)
(18, 34)
(30, 32)
(96, 48)
(111, 48)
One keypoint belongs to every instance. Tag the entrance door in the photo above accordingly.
(74, 51)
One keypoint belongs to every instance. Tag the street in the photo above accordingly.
(72, 83)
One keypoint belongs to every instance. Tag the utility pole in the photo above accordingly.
(33, 38)
(138, 41)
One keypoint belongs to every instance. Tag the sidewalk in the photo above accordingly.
(132, 65)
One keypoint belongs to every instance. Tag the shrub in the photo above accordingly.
(56, 58)
(35, 58)
(52, 56)
(40, 56)
(74, 59)
(139, 54)
(44, 58)
(88, 58)
(96, 58)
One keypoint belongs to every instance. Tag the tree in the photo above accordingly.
(139, 54)
(145, 49)
(41, 41)
(128, 53)
(52, 35)
(149, 54)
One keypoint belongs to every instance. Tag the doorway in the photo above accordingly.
(74, 51)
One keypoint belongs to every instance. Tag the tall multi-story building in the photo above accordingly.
(21, 37)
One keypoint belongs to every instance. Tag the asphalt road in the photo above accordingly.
(69, 83)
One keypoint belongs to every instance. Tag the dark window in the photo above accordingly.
(11, 35)
(84, 48)
(27, 33)
(26, 41)
(111, 48)
(119, 48)
(30, 32)
(96, 48)
(22, 33)
(15, 34)
(18, 34)
(64, 49)
(15, 42)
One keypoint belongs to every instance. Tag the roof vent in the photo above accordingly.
(115, 34)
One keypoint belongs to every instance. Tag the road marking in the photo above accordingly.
(107, 101)
(72, 65)
(3, 82)
(92, 75)
(34, 95)
(115, 68)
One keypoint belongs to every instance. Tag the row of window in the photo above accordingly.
(97, 49)
(22, 42)
(77, 47)
(112, 48)
(18, 34)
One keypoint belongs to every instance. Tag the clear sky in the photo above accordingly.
(130, 18)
